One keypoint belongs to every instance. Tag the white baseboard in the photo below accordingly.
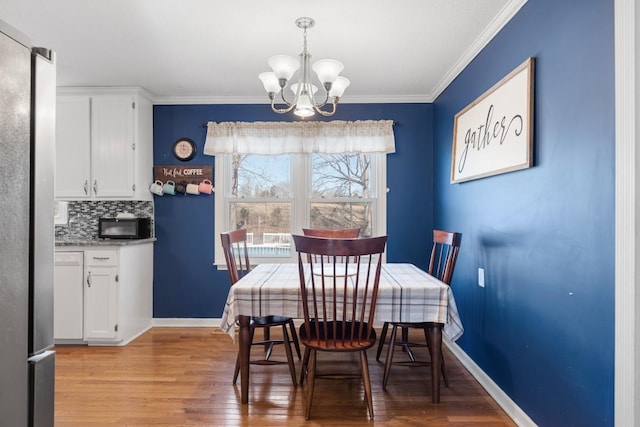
(133, 337)
(509, 406)
(187, 322)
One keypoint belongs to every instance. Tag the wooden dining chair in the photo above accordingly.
(444, 254)
(339, 303)
(236, 254)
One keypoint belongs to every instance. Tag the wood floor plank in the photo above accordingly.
(182, 377)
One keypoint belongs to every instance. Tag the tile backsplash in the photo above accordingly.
(83, 216)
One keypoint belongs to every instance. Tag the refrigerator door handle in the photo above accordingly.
(89, 279)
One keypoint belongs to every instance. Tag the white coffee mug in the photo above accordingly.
(192, 189)
(156, 188)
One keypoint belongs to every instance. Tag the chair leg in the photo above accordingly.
(305, 364)
(289, 353)
(364, 368)
(268, 347)
(405, 334)
(294, 338)
(383, 336)
(425, 329)
(389, 361)
(310, 383)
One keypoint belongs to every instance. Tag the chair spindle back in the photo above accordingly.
(444, 254)
(236, 255)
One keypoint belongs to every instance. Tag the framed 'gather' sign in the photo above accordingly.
(494, 134)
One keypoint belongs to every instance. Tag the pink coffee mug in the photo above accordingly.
(205, 187)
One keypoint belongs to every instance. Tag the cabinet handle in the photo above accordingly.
(89, 279)
(95, 187)
(86, 187)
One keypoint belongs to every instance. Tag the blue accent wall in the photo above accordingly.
(543, 327)
(187, 285)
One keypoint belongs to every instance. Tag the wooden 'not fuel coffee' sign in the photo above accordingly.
(188, 174)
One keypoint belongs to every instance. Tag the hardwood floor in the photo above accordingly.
(182, 377)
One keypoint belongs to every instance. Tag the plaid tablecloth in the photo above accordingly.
(405, 294)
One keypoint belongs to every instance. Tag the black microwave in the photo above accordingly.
(124, 228)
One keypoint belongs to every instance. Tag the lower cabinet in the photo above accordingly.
(116, 294)
(101, 295)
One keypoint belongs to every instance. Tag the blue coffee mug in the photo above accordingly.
(169, 188)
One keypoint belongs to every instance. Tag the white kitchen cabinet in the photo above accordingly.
(117, 296)
(101, 295)
(103, 144)
(73, 153)
(112, 146)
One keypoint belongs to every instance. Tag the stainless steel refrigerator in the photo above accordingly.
(27, 161)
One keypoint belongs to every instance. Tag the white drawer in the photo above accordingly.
(101, 258)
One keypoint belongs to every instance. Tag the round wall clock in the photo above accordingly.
(184, 149)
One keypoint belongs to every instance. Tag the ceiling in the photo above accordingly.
(201, 51)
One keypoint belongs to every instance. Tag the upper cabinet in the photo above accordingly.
(103, 144)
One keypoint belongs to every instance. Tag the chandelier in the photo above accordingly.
(304, 100)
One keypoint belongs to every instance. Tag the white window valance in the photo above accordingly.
(272, 138)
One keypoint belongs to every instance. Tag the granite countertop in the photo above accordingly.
(103, 242)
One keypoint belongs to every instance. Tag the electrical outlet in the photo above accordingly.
(481, 277)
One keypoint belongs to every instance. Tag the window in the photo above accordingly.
(275, 196)
(276, 178)
(342, 192)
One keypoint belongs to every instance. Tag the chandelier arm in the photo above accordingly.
(281, 110)
(334, 103)
(272, 98)
(323, 103)
(285, 99)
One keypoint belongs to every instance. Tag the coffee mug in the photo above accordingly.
(169, 188)
(192, 188)
(181, 187)
(156, 188)
(205, 187)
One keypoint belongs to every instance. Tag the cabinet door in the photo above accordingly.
(73, 147)
(112, 146)
(100, 303)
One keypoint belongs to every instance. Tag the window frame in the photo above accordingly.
(301, 173)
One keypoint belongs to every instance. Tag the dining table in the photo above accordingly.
(405, 294)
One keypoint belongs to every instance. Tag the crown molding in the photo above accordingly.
(351, 99)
